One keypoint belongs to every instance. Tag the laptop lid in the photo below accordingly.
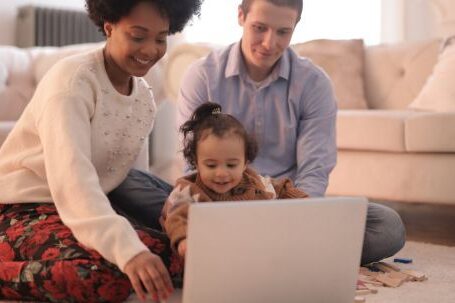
(304, 250)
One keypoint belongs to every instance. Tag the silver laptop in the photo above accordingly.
(304, 250)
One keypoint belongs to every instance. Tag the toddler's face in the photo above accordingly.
(221, 161)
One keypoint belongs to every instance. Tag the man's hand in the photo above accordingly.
(182, 248)
(148, 275)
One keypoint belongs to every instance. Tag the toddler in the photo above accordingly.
(219, 148)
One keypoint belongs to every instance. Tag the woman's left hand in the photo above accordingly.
(148, 275)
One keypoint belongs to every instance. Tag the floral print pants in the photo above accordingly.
(41, 260)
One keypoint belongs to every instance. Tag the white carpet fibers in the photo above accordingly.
(437, 262)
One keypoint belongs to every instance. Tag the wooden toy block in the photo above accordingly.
(359, 299)
(375, 283)
(369, 273)
(361, 285)
(388, 281)
(400, 275)
(372, 289)
(362, 292)
(384, 267)
(416, 275)
(369, 280)
(365, 277)
(390, 265)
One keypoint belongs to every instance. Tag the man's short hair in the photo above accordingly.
(296, 4)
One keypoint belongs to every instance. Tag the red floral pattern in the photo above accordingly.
(6, 252)
(41, 260)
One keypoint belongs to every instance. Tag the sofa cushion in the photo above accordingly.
(430, 132)
(18, 83)
(343, 61)
(375, 130)
(395, 73)
(438, 93)
(178, 61)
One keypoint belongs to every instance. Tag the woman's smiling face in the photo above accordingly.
(137, 41)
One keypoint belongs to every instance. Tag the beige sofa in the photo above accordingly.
(385, 150)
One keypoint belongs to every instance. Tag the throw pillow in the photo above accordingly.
(343, 61)
(438, 93)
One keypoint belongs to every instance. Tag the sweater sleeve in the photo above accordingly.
(285, 189)
(174, 217)
(65, 132)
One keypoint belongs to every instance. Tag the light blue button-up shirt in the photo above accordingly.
(292, 114)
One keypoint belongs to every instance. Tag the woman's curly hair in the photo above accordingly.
(207, 119)
(179, 12)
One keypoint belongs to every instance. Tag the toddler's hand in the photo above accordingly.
(182, 248)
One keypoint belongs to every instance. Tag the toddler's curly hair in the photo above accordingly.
(208, 119)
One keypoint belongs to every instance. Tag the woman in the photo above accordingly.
(60, 239)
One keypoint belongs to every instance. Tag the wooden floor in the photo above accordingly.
(427, 223)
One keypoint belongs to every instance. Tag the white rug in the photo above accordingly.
(437, 262)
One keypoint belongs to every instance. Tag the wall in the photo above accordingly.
(402, 19)
(444, 13)
(413, 20)
(8, 12)
(420, 21)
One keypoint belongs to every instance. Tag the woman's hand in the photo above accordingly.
(148, 275)
(182, 248)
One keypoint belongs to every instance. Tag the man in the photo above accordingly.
(287, 103)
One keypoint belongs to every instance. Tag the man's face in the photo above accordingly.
(267, 32)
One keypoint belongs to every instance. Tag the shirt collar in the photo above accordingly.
(236, 67)
(235, 64)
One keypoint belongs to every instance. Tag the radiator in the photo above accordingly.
(45, 26)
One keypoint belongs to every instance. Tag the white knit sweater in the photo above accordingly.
(75, 142)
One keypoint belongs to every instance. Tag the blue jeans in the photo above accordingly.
(140, 198)
(385, 234)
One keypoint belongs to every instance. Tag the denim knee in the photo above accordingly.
(140, 198)
(385, 233)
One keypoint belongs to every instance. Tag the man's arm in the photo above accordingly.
(316, 142)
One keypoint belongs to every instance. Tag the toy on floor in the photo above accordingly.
(384, 274)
